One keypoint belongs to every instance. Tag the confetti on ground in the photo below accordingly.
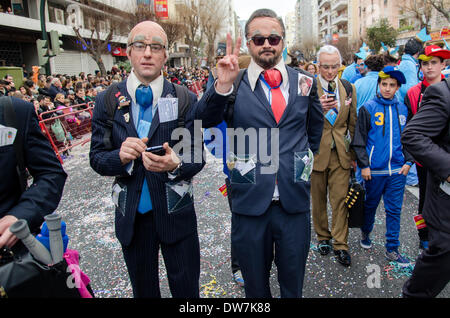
(88, 211)
(211, 290)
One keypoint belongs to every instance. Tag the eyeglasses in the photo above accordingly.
(260, 40)
(327, 67)
(141, 47)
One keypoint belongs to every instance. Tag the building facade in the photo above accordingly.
(20, 29)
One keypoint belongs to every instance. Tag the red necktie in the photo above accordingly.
(273, 78)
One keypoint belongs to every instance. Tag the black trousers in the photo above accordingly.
(422, 176)
(432, 270)
(274, 236)
(182, 261)
(234, 262)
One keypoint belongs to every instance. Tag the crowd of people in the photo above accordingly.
(51, 92)
(334, 120)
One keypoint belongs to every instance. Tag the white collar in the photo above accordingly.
(157, 87)
(254, 70)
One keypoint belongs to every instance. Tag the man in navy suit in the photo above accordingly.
(43, 196)
(152, 193)
(271, 199)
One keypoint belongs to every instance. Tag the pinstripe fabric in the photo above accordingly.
(167, 229)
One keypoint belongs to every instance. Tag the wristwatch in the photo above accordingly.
(177, 169)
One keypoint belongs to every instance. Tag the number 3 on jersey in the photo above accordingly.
(380, 117)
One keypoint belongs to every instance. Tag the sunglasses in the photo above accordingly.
(260, 40)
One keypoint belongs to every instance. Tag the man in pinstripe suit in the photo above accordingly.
(152, 193)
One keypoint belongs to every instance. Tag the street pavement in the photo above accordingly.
(87, 209)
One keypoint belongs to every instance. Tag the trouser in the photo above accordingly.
(392, 189)
(432, 269)
(422, 176)
(182, 261)
(234, 262)
(336, 180)
(254, 238)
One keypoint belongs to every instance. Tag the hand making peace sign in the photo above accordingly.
(228, 66)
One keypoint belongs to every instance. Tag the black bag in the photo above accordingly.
(21, 276)
(355, 202)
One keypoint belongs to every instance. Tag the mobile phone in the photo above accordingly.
(157, 150)
(333, 96)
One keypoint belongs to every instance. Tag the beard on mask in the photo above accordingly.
(267, 62)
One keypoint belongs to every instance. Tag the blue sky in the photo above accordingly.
(244, 8)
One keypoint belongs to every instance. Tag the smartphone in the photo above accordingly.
(333, 96)
(157, 150)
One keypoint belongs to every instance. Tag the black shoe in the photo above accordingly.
(343, 257)
(324, 247)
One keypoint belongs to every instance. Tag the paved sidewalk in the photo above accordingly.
(88, 211)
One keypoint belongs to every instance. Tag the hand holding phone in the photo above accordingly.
(157, 150)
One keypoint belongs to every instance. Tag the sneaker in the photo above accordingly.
(237, 277)
(423, 245)
(397, 257)
(365, 242)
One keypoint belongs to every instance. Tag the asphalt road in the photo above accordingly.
(87, 209)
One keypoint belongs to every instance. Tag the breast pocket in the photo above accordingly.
(119, 196)
(303, 166)
(242, 169)
(179, 195)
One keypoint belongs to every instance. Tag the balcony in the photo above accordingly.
(340, 19)
(324, 28)
(323, 3)
(339, 5)
(324, 15)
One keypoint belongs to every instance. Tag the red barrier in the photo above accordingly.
(196, 87)
(67, 128)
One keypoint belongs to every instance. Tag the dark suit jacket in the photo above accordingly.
(300, 128)
(53, 90)
(43, 196)
(427, 138)
(171, 227)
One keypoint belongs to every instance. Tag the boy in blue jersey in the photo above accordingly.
(384, 164)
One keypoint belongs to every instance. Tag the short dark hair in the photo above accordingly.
(264, 13)
(413, 46)
(389, 59)
(375, 62)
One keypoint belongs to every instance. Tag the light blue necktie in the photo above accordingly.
(144, 97)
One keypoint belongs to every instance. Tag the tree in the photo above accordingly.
(381, 32)
(443, 7)
(309, 48)
(102, 21)
(212, 16)
(174, 30)
(190, 17)
(420, 10)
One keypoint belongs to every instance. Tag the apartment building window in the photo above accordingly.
(56, 13)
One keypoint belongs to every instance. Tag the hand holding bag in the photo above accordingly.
(355, 202)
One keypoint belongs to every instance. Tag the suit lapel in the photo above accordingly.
(342, 97)
(123, 111)
(259, 93)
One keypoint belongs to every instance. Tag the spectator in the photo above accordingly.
(384, 164)
(366, 87)
(312, 68)
(80, 97)
(55, 88)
